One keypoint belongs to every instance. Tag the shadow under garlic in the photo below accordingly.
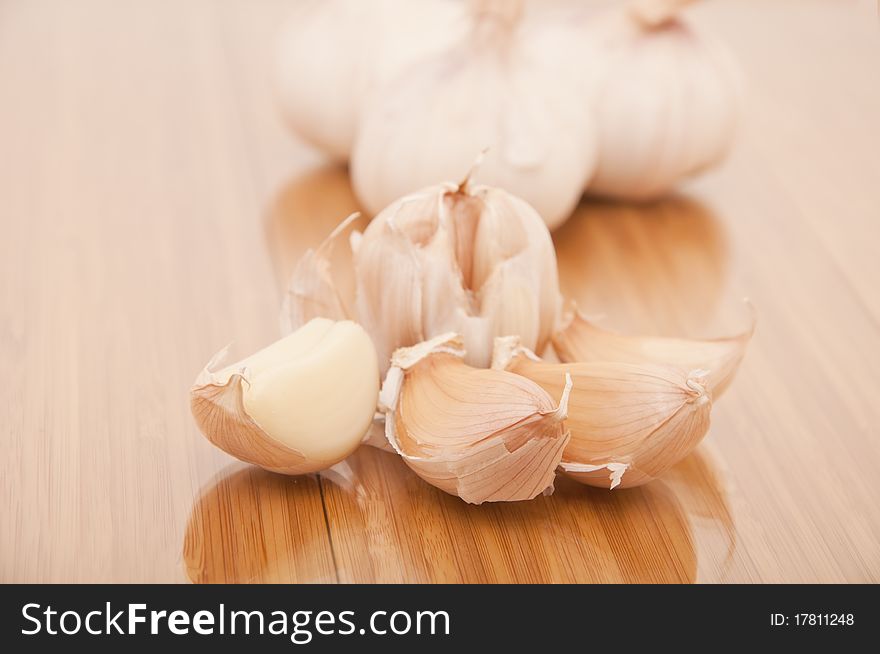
(388, 526)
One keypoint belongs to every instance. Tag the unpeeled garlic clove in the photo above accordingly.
(483, 435)
(582, 341)
(299, 405)
(629, 423)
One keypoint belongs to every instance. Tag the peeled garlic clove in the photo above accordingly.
(333, 53)
(312, 292)
(503, 88)
(475, 261)
(629, 423)
(483, 435)
(300, 405)
(666, 102)
(580, 340)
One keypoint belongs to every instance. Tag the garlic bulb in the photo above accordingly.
(666, 104)
(299, 405)
(580, 340)
(333, 53)
(483, 435)
(479, 262)
(506, 88)
(628, 422)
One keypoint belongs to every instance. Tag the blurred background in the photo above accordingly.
(154, 202)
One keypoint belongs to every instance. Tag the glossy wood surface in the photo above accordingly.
(151, 203)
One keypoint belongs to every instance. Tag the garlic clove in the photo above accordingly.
(510, 301)
(392, 312)
(299, 405)
(446, 300)
(312, 292)
(483, 435)
(511, 230)
(582, 341)
(629, 422)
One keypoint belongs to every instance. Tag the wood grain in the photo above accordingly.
(153, 203)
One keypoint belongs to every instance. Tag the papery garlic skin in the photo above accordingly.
(299, 405)
(312, 292)
(504, 88)
(666, 104)
(579, 340)
(629, 423)
(479, 262)
(483, 435)
(333, 53)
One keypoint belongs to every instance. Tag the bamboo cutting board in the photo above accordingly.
(152, 204)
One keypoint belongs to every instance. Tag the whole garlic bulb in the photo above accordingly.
(332, 53)
(666, 103)
(503, 88)
(478, 262)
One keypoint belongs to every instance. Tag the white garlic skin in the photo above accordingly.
(510, 94)
(413, 284)
(666, 105)
(331, 54)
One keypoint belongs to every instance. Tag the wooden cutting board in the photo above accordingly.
(152, 204)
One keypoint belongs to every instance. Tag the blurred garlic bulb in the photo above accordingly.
(580, 340)
(629, 422)
(333, 53)
(483, 435)
(299, 405)
(666, 103)
(478, 262)
(505, 87)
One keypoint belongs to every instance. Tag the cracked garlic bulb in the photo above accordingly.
(333, 53)
(505, 88)
(478, 262)
(666, 101)
(475, 261)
